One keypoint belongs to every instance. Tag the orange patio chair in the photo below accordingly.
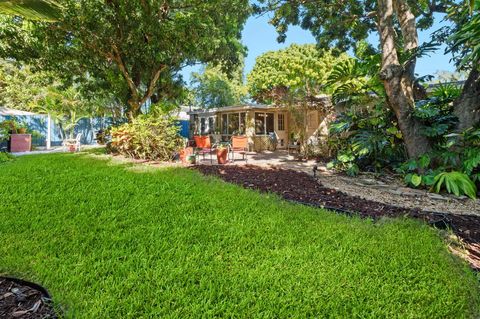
(240, 146)
(204, 146)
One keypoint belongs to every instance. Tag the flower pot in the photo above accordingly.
(20, 143)
(185, 153)
(21, 130)
(222, 155)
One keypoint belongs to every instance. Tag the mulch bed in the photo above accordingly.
(303, 188)
(19, 299)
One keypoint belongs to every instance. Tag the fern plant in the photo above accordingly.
(455, 183)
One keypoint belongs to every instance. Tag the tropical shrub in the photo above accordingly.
(453, 165)
(436, 113)
(366, 140)
(147, 137)
(6, 157)
(456, 183)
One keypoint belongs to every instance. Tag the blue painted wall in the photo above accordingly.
(88, 128)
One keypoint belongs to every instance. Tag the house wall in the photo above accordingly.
(314, 122)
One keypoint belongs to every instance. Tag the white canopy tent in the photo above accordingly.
(11, 112)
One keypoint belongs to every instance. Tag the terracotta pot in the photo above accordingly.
(222, 155)
(185, 153)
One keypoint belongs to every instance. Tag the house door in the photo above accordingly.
(280, 129)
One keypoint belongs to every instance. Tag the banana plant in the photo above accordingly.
(39, 10)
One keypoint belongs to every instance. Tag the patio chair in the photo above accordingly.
(240, 146)
(204, 146)
(73, 142)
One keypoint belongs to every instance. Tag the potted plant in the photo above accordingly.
(18, 140)
(222, 153)
(191, 159)
(185, 153)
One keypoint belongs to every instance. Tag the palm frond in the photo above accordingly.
(40, 10)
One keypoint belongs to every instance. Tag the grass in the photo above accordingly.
(111, 242)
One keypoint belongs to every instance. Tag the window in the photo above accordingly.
(203, 126)
(243, 122)
(281, 122)
(211, 124)
(233, 123)
(269, 122)
(195, 126)
(259, 123)
(224, 124)
(264, 123)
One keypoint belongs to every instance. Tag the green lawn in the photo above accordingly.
(110, 241)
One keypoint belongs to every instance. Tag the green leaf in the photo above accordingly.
(43, 10)
(455, 182)
(428, 180)
(416, 180)
(424, 161)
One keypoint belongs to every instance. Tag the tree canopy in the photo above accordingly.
(297, 68)
(344, 23)
(213, 88)
(43, 10)
(139, 42)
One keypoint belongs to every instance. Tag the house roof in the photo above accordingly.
(11, 112)
(232, 108)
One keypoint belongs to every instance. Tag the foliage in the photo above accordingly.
(465, 41)
(42, 10)
(12, 126)
(140, 43)
(300, 70)
(147, 137)
(354, 81)
(455, 160)
(154, 236)
(436, 113)
(213, 88)
(456, 183)
(6, 157)
(367, 139)
(67, 107)
(21, 87)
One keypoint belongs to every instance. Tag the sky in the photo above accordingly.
(260, 37)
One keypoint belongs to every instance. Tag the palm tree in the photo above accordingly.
(40, 10)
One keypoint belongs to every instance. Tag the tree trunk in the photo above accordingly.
(133, 109)
(397, 79)
(467, 106)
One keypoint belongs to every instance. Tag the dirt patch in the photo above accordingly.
(304, 188)
(19, 299)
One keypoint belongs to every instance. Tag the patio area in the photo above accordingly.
(266, 159)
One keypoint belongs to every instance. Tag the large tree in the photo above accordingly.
(465, 44)
(344, 23)
(141, 41)
(299, 71)
(211, 87)
(295, 77)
